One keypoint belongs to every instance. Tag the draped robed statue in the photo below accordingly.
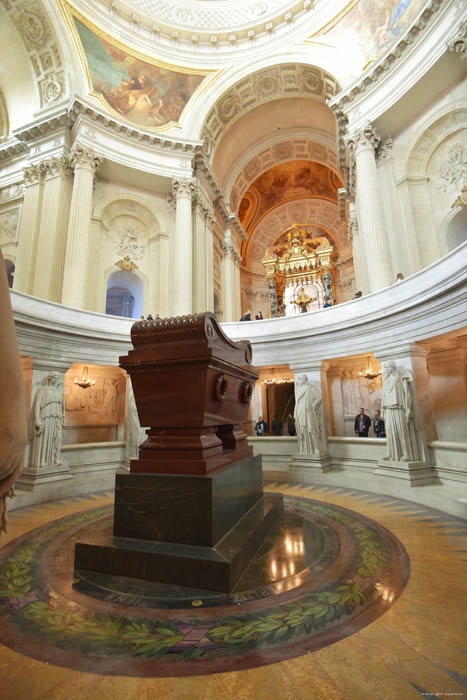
(398, 414)
(48, 417)
(307, 416)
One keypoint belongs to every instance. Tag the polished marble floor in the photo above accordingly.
(414, 646)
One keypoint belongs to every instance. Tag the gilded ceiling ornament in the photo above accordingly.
(461, 200)
(126, 264)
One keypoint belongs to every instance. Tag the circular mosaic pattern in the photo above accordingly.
(323, 574)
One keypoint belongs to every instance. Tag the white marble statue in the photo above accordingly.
(135, 434)
(398, 415)
(307, 416)
(48, 420)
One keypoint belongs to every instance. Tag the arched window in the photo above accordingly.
(10, 272)
(124, 295)
(456, 232)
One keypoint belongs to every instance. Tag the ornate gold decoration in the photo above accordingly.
(461, 201)
(126, 264)
(301, 259)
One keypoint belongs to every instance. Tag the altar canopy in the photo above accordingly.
(299, 269)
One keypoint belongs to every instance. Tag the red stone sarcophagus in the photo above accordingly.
(191, 511)
(193, 386)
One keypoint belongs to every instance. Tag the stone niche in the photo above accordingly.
(352, 383)
(98, 413)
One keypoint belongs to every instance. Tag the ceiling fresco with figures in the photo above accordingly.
(143, 92)
(286, 182)
(370, 27)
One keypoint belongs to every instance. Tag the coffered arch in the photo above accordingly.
(271, 83)
(265, 157)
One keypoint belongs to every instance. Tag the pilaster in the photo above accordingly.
(28, 229)
(55, 211)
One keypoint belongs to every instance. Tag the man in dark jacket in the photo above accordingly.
(291, 425)
(276, 426)
(362, 424)
(261, 427)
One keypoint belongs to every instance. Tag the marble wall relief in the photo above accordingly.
(9, 220)
(130, 85)
(96, 413)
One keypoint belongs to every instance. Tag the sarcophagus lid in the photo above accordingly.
(186, 372)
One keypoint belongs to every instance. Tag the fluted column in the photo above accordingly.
(237, 296)
(210, 222)
(51, 248)
(361, 274)
(371, 220)
(27, 237)
(229, 301)
(183, 247)
(85, 164)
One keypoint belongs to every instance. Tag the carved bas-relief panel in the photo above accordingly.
(353, 383)
(97, 413)
(9, 220)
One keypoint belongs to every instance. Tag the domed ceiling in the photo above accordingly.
(348, 35)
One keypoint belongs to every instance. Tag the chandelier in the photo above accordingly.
(369, 374)
(85, 382)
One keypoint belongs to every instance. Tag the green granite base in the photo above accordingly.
(216, 568)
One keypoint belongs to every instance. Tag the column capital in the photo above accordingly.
(57, 166)
(458, 43)
(228, 248)
(385, 152)
(82, 158)
(365, 139)
(183, 188)
(33, 174)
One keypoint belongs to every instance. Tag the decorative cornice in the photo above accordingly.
(79, 108)
(458, 44)
(343, 101)
(203, 168)
(185, 27)
(43, 127)
(11, 148)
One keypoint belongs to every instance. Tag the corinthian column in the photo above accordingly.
(230, 291)
(85, 165)
(27, 237)
(52, 231)
(183, 242)
(371, 220)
